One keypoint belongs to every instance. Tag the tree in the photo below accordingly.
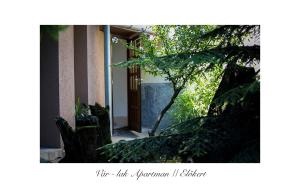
(181, 52)
(229, 133)
(196, 98)
(51, 30)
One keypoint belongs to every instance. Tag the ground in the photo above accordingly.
(126, 134)
(55, 154)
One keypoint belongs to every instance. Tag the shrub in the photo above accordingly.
(194, 101)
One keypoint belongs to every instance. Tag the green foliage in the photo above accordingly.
(195, 99)
(227, 137)
(182, 53)
(163, 148)
(250, 153)
(51, 30)
(139, 150)
(103, 118)
(86, 127)
(197, 138)
(193, 143)
(81, 110)
(186, 126)
(236, 95)
(202, 139)
(168, 52)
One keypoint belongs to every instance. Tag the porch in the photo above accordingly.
(80, 65)
(55, 154)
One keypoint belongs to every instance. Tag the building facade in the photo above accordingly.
(79, 65)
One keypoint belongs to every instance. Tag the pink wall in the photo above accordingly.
(71, 67)
(66, 76)
(95, 64)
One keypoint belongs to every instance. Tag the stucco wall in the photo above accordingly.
(119, 77)
(66, 76)
(95, 65)
(71, 67)
(80, 63)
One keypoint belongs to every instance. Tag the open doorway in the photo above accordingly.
(119, 82)
(126, 95)
(126, 89)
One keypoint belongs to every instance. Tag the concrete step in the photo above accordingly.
(51, 154)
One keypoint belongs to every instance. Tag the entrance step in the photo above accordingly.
(126, 134)
(51, 154)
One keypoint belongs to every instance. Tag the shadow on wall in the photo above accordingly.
(154, 97)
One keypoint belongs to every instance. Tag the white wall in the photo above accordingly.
(148, 78)
(119, 77)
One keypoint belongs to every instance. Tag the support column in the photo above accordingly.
(49, 92)
(108, 82)
(80, 63)
(57, 85)
(66, 76)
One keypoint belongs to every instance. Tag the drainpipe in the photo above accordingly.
(107, 65)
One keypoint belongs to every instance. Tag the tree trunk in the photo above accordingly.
(163, 112)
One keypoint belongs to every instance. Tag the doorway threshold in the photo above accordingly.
(127, 134)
